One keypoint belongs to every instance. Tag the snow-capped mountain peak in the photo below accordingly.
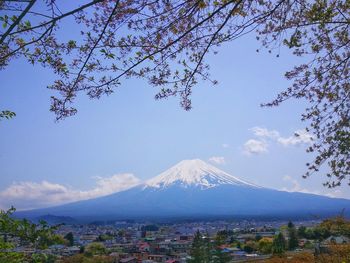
(195, 173)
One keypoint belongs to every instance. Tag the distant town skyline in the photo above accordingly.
(129, 137)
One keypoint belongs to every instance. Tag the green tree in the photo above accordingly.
(302, 232)
(43, 258)
(26, 233)
(258, 237)
(250, 246)
(290, 224)
(265, 245)
(278, 244)
(338, 225)
(292, 236)
(218, 256)
(200, 250)
(95, 248)
(70, 238)
(207, 248)
(9, 256)
(310, 233)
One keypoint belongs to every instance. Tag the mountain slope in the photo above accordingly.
(195, 173)
(195, 188)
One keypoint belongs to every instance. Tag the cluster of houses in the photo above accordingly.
(167, 244)
(137, 243)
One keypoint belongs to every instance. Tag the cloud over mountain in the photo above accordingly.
(194, 188)
(28, 195)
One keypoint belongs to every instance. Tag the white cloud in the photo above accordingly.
(265, 137)
(27, 195)
(217, 160)
(253, 146)
(300, 137)
(296, 187)
(115, 183)
(225, 145)
(337, 194)
(265, 133)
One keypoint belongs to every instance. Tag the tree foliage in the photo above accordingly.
(265, 245)
(70, 238)
(319, 30)
(218, 255)
(40, 235)
(15, 232)
(278, 244)
(336, 253)
(166, 43)
(95, 248)
(82, 258)
(292, 237)
(6, 114)
(335, 226)
(205, 251)
(201, 250)
(302, 232)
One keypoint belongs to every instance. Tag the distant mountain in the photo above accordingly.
(193, 188)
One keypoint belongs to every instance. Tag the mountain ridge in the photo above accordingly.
(194, 188)
(195, 173)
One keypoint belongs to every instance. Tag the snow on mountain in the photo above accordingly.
(195, 189)
(195, 173)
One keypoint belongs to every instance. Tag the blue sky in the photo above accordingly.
(120, 140)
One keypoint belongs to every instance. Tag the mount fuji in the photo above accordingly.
(193, 188)
(194, 173)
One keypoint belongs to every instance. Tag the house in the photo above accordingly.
(159, 258)
(302, 242)
(337, 240)
(324, 247)
(164, 244)
(180, 246)
(73, 250)
(144, 247)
